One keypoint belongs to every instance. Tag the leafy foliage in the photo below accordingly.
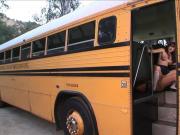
(27, 26)
(6, 33)
(10, 28)
(56, 9)
(3, 4)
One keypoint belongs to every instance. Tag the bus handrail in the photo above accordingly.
(139, 65)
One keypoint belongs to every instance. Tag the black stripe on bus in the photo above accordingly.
(120, 44)
(178, 65)
(109, 68)
(73, 74)
(178, 73)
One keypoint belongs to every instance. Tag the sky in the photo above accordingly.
(24, 10)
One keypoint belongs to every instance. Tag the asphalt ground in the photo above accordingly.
(14, 121)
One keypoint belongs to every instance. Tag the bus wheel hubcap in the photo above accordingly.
(75, 124)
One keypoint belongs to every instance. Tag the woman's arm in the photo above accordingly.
(160, 50)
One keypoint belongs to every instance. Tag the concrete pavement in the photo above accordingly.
(14, 121)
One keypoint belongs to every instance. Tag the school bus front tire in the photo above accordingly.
(77, 118)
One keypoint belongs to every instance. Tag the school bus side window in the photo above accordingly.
(2, 58)
(82, 37)
(16, 54)
(107, 30)
(25, 51)
(8, 56)
(56, 43)
(38, 47)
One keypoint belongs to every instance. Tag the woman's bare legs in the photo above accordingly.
(157, 73)
(160, 81)
(166, 80)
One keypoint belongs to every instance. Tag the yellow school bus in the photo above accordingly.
(91, 71)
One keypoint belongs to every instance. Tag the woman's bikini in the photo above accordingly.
(164, 61)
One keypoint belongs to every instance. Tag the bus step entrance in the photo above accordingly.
(167, 115)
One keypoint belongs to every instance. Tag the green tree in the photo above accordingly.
(56, 9)
(6, 32)
(27, 26)
(3, 4)
(10, 31)
(14, 28)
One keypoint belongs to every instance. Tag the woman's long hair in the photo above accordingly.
(171, 44)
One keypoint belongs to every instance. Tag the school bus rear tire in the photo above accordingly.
(77, 118)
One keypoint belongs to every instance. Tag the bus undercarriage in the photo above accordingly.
(154, 109)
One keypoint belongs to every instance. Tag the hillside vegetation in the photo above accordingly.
(10, 28)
